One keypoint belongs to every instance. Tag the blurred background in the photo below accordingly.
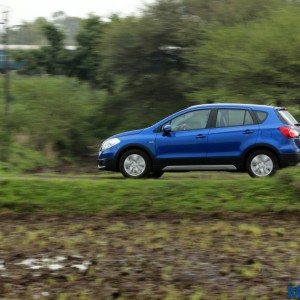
(75, 81)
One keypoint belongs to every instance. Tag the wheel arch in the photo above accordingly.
(131, 147)
(267, 147)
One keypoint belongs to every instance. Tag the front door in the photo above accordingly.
(186, 144)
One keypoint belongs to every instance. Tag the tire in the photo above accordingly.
(262, 163)
(135, 164)
(156, 174)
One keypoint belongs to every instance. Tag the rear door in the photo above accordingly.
(235, 130)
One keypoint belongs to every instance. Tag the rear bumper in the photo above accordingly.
(287, 160)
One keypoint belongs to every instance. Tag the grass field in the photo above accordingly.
(176, 193)
(186, 236)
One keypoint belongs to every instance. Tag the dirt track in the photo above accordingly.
(207, 257)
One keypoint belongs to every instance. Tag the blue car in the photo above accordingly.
(257, 139)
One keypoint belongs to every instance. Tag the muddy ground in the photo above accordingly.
(149, 257)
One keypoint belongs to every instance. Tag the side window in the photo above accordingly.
(248, 118)
(233, 117)
(192, 120)
(261, 116)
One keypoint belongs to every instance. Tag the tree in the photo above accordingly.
(69, 25)
(144, 57)
(257, 62)
(233, 12)
(54, 53)
(88, 56)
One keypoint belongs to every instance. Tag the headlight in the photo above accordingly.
(109, 143)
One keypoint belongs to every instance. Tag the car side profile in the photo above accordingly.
(257, 139)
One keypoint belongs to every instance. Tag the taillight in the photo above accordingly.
(289, 132)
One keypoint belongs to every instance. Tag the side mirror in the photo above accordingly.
(167, 129)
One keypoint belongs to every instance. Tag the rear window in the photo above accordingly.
(233, 117)
(287, 118)
(261, 116)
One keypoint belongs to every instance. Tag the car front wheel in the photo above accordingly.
(262, 163)
(135, 164)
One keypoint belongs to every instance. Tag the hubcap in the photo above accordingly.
(262, 165)
(134, 165)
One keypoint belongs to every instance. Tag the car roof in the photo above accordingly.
(234, 105)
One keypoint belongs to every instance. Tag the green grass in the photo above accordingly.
(175, 194)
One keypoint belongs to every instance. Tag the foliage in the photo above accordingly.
(168, 58)
(54, 53)
(24, 159)
(257, 62)
(51, 59)
(32, 61)
(87, 58)
(52, 115)
(143, 57)
(69, 26)
(142, 68)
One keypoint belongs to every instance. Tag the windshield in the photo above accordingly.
(287, 117)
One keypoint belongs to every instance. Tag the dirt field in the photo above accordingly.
(233, 256)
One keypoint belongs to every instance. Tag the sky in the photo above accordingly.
(28, 10)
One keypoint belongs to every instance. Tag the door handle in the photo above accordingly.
(248, 131)
(200, 136)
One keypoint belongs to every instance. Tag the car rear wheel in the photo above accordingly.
(135, 164)
(262, 163)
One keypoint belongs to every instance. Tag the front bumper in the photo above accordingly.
(287, 160)
(107, 160)
(106, 164)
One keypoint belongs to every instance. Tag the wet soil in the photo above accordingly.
(209, 256)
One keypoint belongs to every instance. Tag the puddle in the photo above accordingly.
(2, 265)
(53, 264)
(76, 256)
(82, 267)
(55, 267)
(31, 263)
